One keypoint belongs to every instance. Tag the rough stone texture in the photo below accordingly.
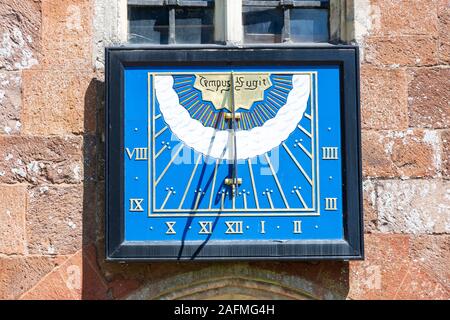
(416, 17)
(414, 206)
(54, 219)
(401, 50)
(252, 280)
(433, 253)
(51, 166)
(10, 102)
(67, 34)
(58, 102)
(388, 272)
(370, 202)
(445, 139)
(13, 201)
(406, 154)
(384, 98)
(429, 97)
(20, 22)
(41, 159)
(77, 277)
(443, 27)
(20, 274)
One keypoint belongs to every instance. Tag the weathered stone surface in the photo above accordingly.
(388, 272)
(76, 278)
(13, 200)
(384, 98)
(429, 97)
(41, 159)
(433, 253)
(54, 219)
(250, 280)
(443, 27)
(406, 154)
(20, 22)
(418, 284)
(120, 287)
(402, 50)
(94, 286)
(10, 101)
(370, 202)
(19, 274)
(377, 277)
(405, 17)
(445, 140)
(414, 206)
(67, 34)
(58, 102)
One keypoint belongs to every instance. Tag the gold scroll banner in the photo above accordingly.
(248, 88)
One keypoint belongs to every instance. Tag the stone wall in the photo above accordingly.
(51, 167)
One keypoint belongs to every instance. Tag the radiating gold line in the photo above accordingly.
(308, 116)
(190, 181)
(233, 195)
(187, 98)
(193, 105)
(160, 132)
(301, 199)
(213, 184)
(253, 183)
(277, 181)
(274, 102)
(161, 151)
(168, 165)
(270, 199)
(158, 116)
(245, 199)
(169, 193)
(304, 131)
(296, 163)
(268, 106)
(304, 150)
(222, 201)
(197, 111)
(185, 90)
(197, 200)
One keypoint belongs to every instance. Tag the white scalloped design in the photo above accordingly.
(215, 143)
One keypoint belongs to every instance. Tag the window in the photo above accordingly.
(170, 21)
(235, 21)
(269, 21)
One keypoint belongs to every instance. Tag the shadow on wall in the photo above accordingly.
(182, 280)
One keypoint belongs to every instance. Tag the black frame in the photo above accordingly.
(347, 57)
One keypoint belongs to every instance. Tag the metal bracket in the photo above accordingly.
(229, 116)
(233, 182)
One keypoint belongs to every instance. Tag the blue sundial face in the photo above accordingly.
(233, 154)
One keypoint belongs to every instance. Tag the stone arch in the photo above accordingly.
(233, 282)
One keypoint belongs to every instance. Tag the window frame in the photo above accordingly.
(171, 5)
(286, 6)
(340, 22)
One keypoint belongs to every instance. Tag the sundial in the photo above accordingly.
(218, 156)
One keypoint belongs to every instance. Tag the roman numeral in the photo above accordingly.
(136, 205)
(330, 153)
(170, 225)
(206, 227)
(297, 226)
(263, 225)
(331, 204)
(137, 153)
(234, 227)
